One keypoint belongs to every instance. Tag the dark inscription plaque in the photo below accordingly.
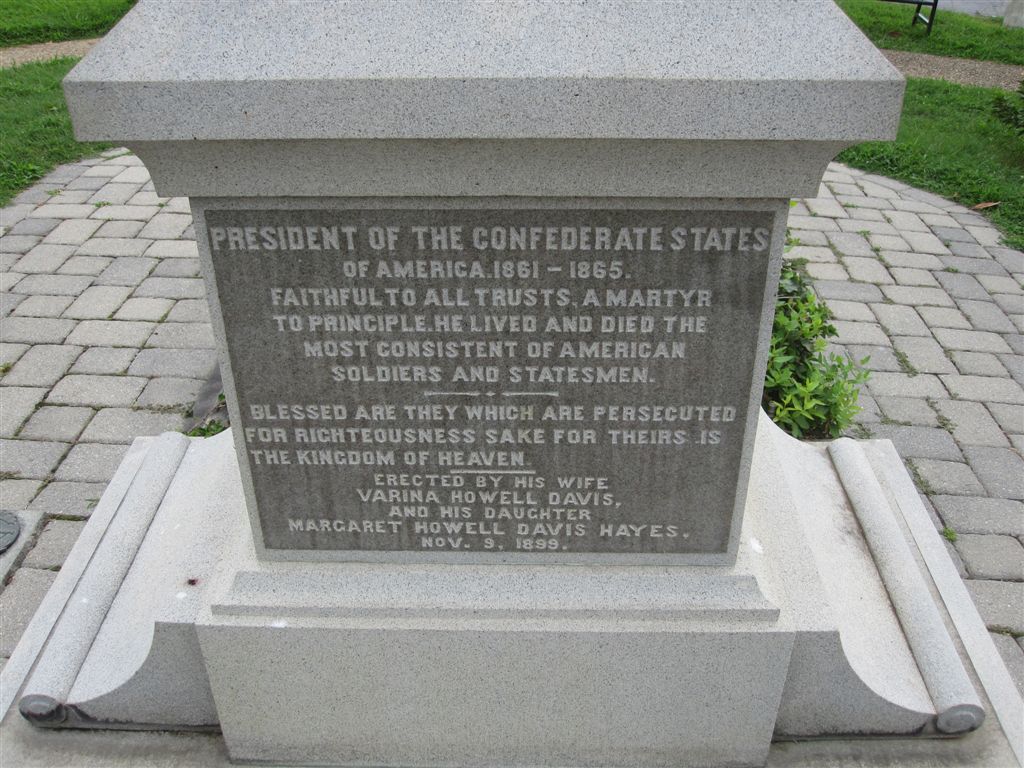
(513, 381)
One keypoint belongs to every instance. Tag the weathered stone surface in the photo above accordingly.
(863, 292)
(84, 265)
(971, 423)
(190, 311)
(126, 270)
(58, 423)
(827, 272)
(114, 194)
(41, 306)
(1000, 603)
(34, 226)
(967, 514)
(128, 212)
(1011, 304)
(194, 363)
(18, 243)
(920, 442)
(1000, 470)
(98, 391)
(1013, 655)
(905, 294)
(924, 242)
(18, 603)
(984, 389)
(68, 498)
(850, 244)
(16, 405)
(16, 494)
(56, 285)
(170, 391)
(860, 333)
(54, 543)
(906, 259)
(113, 247)
(120, 229)
(98, 302)
(173, 249)
(246, 281)
(867, 270)
(924, 354)
(852, 310)
(904, 385)
(1009, 417)
(912, 276)
(908, 410)
(899, 320)
(144, 309)
(878, 358)
(171, 288)
(801, 95)
(166, 226)
(105, 360)
(91, 463)
(44, 259)
(122, 425)
(9, 302)
(170, 335)
(10, 353)
(961, 286)
(177, 268)
(989, 556)
(986, 316)
(30, 458)
(42, 365)
(975, 266)
(111, 333)
(947, 477)
(977, 363)
(73, 231)
(870, 228)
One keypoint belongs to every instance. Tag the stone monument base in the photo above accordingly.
(165, 619)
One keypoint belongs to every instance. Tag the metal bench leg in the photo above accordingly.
(931, 16)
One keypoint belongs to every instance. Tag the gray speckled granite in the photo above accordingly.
(230, 69)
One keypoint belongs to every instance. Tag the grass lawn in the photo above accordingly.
(954, 34)
(950, 143)
(41, 21)
(35, 129)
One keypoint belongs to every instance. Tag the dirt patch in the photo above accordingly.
(988, 74)
(23, 54)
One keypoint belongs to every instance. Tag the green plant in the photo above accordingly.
(807, 390)
(1010, 109)
(949, 533)
(955, 34)
(35, 130)
(209, 429)
(40, 21)
(952, 144)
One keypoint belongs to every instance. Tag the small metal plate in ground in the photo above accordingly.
(10, 527)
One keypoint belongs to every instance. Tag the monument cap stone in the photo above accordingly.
(613, 97)
(614, 69)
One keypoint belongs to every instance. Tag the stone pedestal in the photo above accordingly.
(575, 209)
(365, 663)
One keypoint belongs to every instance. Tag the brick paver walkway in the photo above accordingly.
(105, 336)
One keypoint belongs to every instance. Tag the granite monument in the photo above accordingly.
(493, 287)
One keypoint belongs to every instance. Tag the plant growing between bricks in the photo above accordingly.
(808, 391)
